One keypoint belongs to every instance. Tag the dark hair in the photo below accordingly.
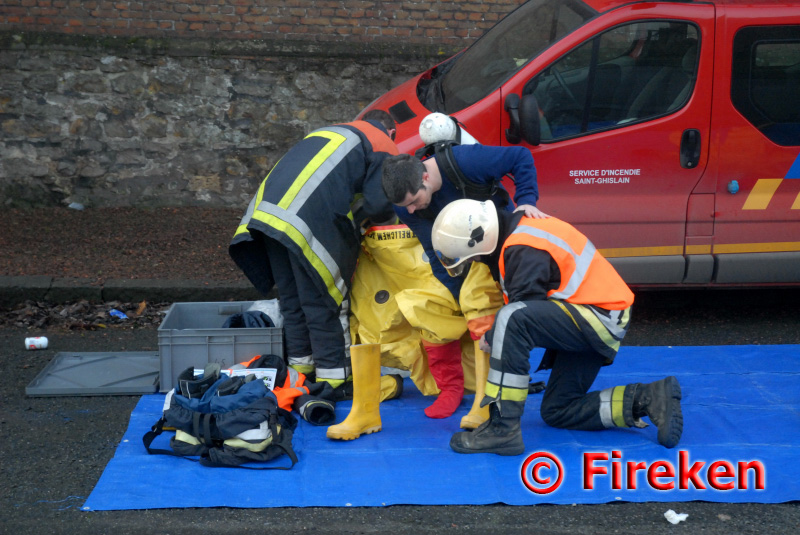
(380, 116)
(402, 174)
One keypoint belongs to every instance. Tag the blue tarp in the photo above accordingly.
(741, 404)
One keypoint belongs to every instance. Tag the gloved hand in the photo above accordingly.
(483, 345)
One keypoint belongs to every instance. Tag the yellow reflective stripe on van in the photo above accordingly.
(720, 248)
(776, 247)
(622, 252)
(313, 258)
(698, 249)
(762, 193)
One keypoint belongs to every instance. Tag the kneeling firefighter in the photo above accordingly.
(561, 294)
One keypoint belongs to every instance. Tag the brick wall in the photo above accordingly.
(443, 22)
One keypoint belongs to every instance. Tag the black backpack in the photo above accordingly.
(224, 421)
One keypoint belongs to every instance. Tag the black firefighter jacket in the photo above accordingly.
(305, 204)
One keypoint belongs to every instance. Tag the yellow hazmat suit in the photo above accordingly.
(398, 303)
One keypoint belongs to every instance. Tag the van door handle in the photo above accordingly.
(690, 148)
(511, 105)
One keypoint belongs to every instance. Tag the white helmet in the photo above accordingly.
(437, 127)
(464, 229)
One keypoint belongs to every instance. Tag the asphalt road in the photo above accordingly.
(53, 450)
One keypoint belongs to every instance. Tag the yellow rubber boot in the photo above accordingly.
(477, 414)
(365, 415)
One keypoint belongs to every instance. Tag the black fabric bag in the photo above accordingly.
(231, 422)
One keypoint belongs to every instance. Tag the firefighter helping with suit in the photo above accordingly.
(419, 190)
(300, 235)
(561, 295)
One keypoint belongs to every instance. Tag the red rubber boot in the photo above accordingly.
(444, 362)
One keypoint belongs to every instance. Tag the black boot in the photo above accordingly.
(496, 435)
(661, 402)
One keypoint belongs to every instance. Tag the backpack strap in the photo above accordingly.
(148, 438)
(443, 151)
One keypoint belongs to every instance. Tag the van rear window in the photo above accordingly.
(766, 78)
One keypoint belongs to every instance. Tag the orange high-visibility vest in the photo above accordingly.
(291, 389)
(587, 278)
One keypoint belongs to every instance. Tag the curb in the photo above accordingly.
(18, 289)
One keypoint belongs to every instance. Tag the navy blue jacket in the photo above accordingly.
(482, 164)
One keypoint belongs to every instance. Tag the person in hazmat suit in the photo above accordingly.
(420, 189)
(300, 235)
(561, 294)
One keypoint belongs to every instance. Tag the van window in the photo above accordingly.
(506, 47)
(765, 86)
(628, 74)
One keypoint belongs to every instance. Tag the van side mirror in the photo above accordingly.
(524, 119)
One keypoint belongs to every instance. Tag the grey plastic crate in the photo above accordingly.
(192, 335)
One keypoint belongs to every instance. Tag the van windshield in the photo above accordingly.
(506, 47)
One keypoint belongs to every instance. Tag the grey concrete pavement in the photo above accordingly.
(53, 450)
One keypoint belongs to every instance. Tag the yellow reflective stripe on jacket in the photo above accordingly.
(600, 327)
(316, 254)
(242, 228)
(319, 167)
(506, 393)
(501, 322)
(508, 380)
(568, 313)
(612, 407)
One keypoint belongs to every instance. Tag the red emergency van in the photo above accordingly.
(667, 131)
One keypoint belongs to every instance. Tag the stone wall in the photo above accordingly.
(171, 102)
(107, 128)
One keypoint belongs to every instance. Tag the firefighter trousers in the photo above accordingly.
(575, 363)
(311, 327)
